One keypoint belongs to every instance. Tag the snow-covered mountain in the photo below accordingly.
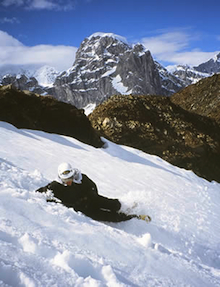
(170, 83)
(187, 75)
(45, 76)
(211, 67)
(22, 82)
(34, 79)
(14, 70)
(105, 65)
(47, 244)
(191, 75)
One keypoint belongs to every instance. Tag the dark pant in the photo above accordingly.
(107, 215)
(101, 202)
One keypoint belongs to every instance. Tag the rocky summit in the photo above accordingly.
(202, 98)
(157, 126)
(106, 65)
(31, 111)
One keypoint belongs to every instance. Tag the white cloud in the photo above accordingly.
(12, 20)
(166, 43)
(41, 4)
(7, 3)
(13, 52)
(7, 40)
(174, 48)
(193, 58)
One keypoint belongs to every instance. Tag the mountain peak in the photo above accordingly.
(104, 66)
(46, 75)
(109, 35)
(216, 58)
(212, 66)
(102, 44)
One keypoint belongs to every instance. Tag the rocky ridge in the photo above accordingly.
(157, 126)
(202, 98)
(22, 82)
(170, 83)
(36, 80)
(188, 75)
(31, 111)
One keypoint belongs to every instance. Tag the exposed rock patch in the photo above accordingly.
(202, 98)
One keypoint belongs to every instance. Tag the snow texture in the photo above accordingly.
(46, 76)
(89, 109)
(47, 244)
(112, 35)
(118, 85)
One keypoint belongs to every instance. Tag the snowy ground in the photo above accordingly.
(45, 244)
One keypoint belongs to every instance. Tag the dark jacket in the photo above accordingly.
(84, 197)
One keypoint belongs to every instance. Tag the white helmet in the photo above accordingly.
(65, 171)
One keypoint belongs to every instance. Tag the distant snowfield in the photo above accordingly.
(46, 244)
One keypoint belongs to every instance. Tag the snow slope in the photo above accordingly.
(46, 244)
(46, 76)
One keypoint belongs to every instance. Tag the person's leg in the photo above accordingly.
(102, 202)
(110, 216)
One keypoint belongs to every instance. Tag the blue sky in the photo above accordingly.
(50, 31)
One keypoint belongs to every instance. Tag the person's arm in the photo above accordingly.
(51, 186)
(89, 186)
(50, 189)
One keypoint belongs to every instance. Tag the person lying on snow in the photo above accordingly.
(80, 192)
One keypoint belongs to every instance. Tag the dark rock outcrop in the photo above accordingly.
(23, 82)
(31, 111)
(202, 98)
(157, 126)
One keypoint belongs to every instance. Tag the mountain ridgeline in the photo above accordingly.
(106, 65)
(202, 98)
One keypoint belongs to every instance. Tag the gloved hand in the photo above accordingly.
(42, 189)
(117, 204)
(146, 218)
